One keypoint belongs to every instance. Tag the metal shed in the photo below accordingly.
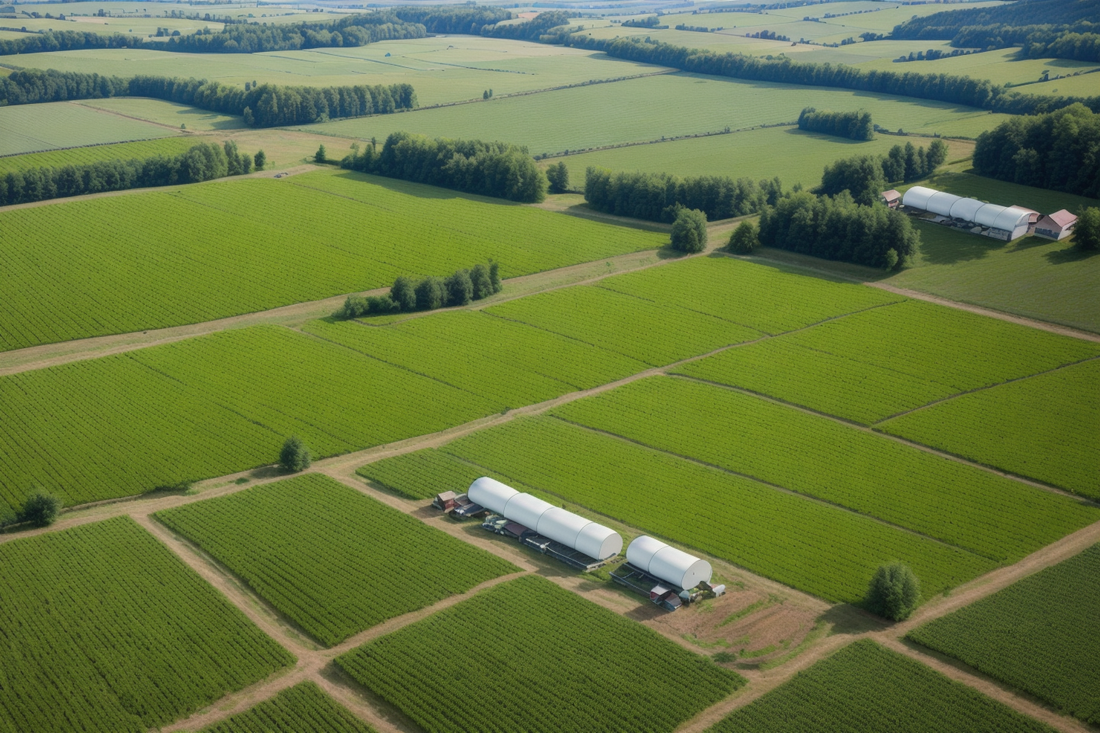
(491, 494)
(941, 203)
(667, 563)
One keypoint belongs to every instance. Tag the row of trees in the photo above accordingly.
(353, 30)
(202, 162)
(461, 288)
(865, 176)
(852, 125)
(65, 41)
(493, 169)
(660, 196)
(534, 29)
(1075, 46)
(837, 228)
(261, 105)
(1060, 151)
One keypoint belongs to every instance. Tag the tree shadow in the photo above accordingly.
(948, 245)
(845, 618)
(1069, 254)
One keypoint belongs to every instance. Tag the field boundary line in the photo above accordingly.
(129, 117)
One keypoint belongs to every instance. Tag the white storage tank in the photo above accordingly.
(667, 563)
(491, 494)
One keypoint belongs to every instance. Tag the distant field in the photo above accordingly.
(1000, 66)
(616, 675)
(282, 241)
(992, 516)
(309, 544)
(82, 156)
(28, 128)
(787, 152)
(302, 707)
(116, 634)
(866, 687)
(676, 104)
(1043, 427)
(166, 113)
(1038, 635)
(125, 25)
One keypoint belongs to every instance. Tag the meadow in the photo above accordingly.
(116, 626)
(532, 671)
(160, 112)
(83, 156)
(867, 687)
(1043, 427)
(995, 517)
(1038, 635)
(302, 707)
(1000, 66)
(282, 242)
(130, 26)
(808, 545)
(32, 128)
(310, 545)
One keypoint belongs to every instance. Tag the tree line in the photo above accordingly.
(406, 296)
(203, 162)
(261, 105)
(866, 176)
(353, 30)
(852, 125)
(533, 30)
(493, 169)
(660, 196)
(467, 19)
(1060, 151)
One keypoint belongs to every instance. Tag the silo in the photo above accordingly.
(526, 510)
(491, 494)
(667, 563)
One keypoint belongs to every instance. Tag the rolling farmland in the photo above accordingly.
(160, 112)
(533, 671)
(1038, 635)
(82, 156)
(302, 707)
(424, 473)
(806, 544)
(866, 687)
(110, 622)
(31, 128)
(310, 546)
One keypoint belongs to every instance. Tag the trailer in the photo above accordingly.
(529, 538)
(458, 506)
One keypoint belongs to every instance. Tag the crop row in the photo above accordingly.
(424, 473)
(1039, 634)
(515, 648)
(304, 707)
(331, 559)
(167, 146)
(865, 687)
(106, 630)
(968, 507)
(820, 549)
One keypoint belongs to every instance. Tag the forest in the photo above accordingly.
(866, 176)
(659, 196)
(852, 125)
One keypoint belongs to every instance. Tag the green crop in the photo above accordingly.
(537, 658)
(106, 630)
(331, 559)
(167, 146)
(424, 473)
(28, 128)
(1039, 634)
(865, 687)
(304, 707)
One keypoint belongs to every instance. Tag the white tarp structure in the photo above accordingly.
(567, 528)
(941, 202)
(1004, 222)
(667, 563)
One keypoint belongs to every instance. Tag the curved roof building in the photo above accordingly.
(667, 563)
(1005, 222)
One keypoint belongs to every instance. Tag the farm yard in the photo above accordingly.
(312, 422)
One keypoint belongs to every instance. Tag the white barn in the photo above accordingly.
(1000, 222)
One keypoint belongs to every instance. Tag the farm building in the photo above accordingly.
(993, 220)
(891, 198)
(666, 563)
(1058, 225)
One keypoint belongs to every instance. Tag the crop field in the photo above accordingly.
(282, 243)
(29, 128)
(424, 473)
(309, 545)
(497, 359)
(676, 104)
(129, 26)
(867, 687)
(125, 424)
(809, 545)
(107, 630)
(761, 296)
(302, 707)
(91, 154)
(1000, 66)
(1038, 635)
(161, 112)
(995, 517)
(533, 671)
(1044, 427)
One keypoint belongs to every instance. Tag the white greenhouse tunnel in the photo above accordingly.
(667, 563)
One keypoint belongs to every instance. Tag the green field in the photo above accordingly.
(205, 252)
(310, 545)
(82, 156)
(516, 648)
(106, 630)
(494, 358)
(302, 707)
(1000, 66)
(424, 473)
(865, 687)
(1038, 635)
(208, 406)
(676, 104)
(809, 545)
(1044, 427)
(29, 128)
(166, 113)
(129, 26)
(995, 517)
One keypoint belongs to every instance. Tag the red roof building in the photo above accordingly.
(891, 198)
(1058, 225)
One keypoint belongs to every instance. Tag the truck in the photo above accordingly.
(458, 506)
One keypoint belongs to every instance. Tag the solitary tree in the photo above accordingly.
(260, 160)
(460, 288)
(482, 283)
(430, 294)
(403, 294)
(689, 231)
(744, 239)
(294, 456)
(319, 156)
(894, 592)
(558, 175)
(494, 277)
(1087, 231)
(41, 509)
